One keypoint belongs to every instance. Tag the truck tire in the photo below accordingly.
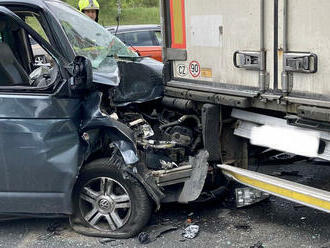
(110, 204)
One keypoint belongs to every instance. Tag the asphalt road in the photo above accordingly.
(274, 223)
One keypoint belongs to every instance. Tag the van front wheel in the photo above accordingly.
(104, 200)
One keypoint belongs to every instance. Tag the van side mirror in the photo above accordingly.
(82, 73)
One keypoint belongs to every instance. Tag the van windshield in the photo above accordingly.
(90, 39)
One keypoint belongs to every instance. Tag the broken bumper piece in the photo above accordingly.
(299, 193)
(247, 196)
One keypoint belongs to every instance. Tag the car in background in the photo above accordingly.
(146, 40)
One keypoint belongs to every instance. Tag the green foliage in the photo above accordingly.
(124, 3)
(131, 16)
(132, 11)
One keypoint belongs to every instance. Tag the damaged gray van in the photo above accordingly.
(89, 135)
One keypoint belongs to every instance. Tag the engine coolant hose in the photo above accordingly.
(179, 121)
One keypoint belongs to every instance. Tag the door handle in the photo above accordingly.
(249, 60)
(300, 62)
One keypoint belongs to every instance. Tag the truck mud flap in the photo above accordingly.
(302, 194)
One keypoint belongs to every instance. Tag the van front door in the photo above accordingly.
(39, 140)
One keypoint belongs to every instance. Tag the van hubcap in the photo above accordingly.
(105, 204)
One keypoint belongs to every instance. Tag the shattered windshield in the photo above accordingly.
(90, 39)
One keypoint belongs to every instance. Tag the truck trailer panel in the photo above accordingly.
(213, 35)
(276, 47)
(307, 31)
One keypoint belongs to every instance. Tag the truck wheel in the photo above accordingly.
(109, 203)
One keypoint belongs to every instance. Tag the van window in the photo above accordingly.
(25, 64)
(40, 56)
(34, 23)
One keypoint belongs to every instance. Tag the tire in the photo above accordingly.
(122, 198)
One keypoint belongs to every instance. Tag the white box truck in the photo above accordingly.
(259, 70)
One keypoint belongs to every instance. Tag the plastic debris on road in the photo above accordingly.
(147, 237)
(191, 231)
(257, 245)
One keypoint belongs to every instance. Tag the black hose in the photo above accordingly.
(213, 194)
(179, 121)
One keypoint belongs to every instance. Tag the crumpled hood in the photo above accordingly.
(110, 79)
(140, 81)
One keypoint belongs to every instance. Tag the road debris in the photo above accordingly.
(247, 196)
(191, 231)
(106, 241)
(54, 229)
(243, 227)
(257, 245)
(326, 245)
(296, 207)
(144, 238)
(148, 237)
(224, 213)
(287, 173)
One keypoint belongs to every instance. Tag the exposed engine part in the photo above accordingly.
(168, 165)
(136, 122)
(114, 116)
(141, 127)
(144, 127)
(181, 135)
(179, 121)
(165, 141)
(179, 104)
(157, 144)
(154, 157)
(173, 176)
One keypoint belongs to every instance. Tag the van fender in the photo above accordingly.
(120, 135)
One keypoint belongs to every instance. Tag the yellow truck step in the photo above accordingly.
(305, 195)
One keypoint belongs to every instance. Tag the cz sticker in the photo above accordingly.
(182, 70)
(194, 69)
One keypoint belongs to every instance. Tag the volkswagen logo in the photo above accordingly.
(104, 204)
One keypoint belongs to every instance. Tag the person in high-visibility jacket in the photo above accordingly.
(90, 7)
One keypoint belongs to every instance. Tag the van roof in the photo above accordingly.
(35, 3)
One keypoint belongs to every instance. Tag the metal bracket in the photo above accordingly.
(300, 62)
(249, 60)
